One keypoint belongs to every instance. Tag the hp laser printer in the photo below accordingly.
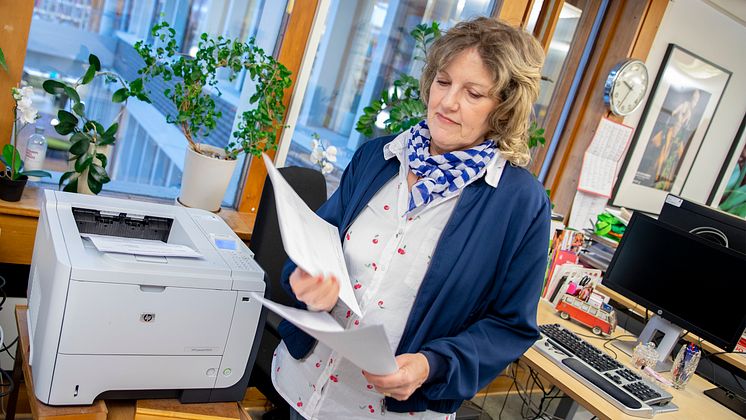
(118, 325)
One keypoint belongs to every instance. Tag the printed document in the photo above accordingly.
(140, 247)
(310, 241)
(367, 347)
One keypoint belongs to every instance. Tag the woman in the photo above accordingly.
(445, 238)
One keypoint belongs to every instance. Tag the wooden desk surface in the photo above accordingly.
(736, 360)
(692, 403)
(18, 222)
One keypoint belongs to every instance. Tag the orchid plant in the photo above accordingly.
(24, 114)
(323, 154)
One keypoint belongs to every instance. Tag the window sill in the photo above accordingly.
(18, 227)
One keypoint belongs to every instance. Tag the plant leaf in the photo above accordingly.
(3, 64)
(52, 86)
(79, 109)
(102, 158)
(83, 162)
(12, 160)
(95, 62)
(89, 75)
(80, 147)
(120, 95)
(64, 128)
(72, 186)
(94, 185)
(72, 94)
(67, 117)
(112, 130)
(40, 174)
(66, 176)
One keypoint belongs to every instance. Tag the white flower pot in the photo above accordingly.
(83, 178)
(205, 178)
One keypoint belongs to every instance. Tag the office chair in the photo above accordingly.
(266, 243)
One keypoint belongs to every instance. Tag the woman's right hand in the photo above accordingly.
(317, 292)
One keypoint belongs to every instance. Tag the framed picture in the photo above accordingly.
(729, 194)
(677, 115)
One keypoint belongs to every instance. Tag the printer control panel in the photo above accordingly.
(241, 260)
(235, 253)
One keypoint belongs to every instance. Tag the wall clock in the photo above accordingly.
(626, 86)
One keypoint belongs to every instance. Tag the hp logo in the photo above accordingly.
(147, 317)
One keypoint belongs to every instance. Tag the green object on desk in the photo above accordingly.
(609, 226)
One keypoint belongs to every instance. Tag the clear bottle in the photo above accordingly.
(36, 152)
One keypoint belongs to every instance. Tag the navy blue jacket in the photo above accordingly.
(476, 306)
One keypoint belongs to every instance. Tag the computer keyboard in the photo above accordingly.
(618, 384)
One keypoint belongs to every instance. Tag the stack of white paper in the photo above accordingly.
(310, 241)
(314, 245)
(140, 247)
(367, 347)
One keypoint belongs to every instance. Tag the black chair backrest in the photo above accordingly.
(266, 242)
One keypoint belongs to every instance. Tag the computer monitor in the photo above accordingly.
(707, 222)
(686, 281)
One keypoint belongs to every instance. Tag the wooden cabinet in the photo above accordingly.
(17, 238)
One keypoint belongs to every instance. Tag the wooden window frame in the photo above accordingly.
(627, 31)
(565, 79)
(301, 14)
(15, 24)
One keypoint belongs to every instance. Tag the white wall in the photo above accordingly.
(720, 38)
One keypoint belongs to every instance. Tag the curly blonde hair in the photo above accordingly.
(514, 58)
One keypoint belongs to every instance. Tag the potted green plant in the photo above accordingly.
(403, 103)
(90, 140)
(13, 178)
(192, 81)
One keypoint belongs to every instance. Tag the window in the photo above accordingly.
(149, 154)
(365, 46)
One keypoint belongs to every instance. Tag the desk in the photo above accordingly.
(692, 403)
(735, 360)
(18, 222)
(109, 410)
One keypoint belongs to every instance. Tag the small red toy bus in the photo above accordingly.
(601, 320)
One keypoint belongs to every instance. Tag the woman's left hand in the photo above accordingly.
(412, 373)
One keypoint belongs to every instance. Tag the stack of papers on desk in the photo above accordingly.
(314, 245)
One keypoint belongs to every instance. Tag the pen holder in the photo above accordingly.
(684, 365)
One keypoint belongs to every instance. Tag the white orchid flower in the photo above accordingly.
(27, 92)
(327, 168)
(331, 154)
(316, 156)
(315, 144)
(54, 122)
(28, 115)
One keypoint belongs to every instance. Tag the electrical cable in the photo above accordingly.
(6, 348)
(11, 385)
(505, 401)
(527, 403)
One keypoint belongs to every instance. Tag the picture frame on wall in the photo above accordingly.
(683, 100)
(729, 194)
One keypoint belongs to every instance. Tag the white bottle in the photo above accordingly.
(36, 151)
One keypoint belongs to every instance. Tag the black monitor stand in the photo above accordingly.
(727, 398)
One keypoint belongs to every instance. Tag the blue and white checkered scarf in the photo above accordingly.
(442, 175)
